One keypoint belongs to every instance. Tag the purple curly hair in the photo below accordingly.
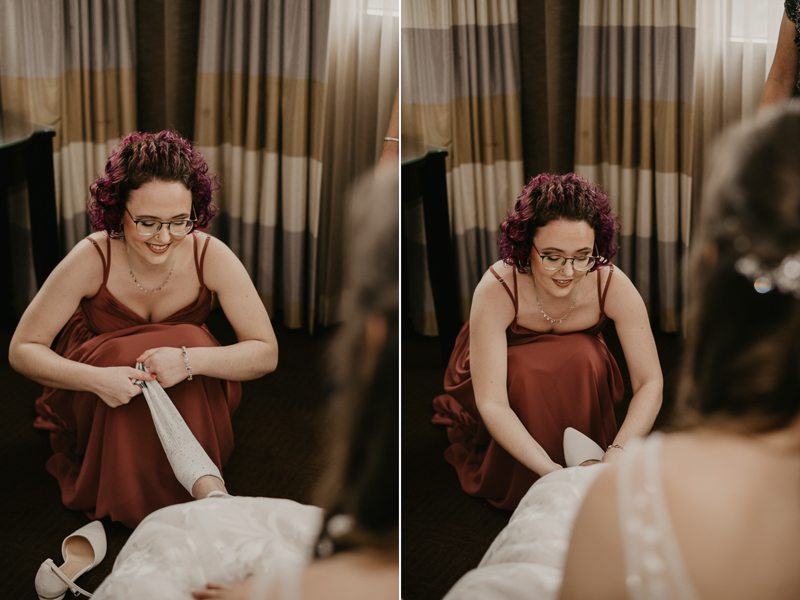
(144, 157)
(547, 198)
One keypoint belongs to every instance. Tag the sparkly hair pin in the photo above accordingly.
(785, 277)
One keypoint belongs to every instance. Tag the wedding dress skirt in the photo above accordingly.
(180, 548)
(526, 559)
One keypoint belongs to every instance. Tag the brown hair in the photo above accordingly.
(742, 362)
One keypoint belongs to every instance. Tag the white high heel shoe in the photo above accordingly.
(579, 448)
(81, 551)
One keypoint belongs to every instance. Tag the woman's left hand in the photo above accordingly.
(238, 590)
(166, 364)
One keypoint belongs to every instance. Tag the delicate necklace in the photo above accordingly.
(139, 285)
(548, 317)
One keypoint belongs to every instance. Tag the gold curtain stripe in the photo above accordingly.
(481, 132)
(620, 132)
(429, 123)
(83, 106)
(474, 130)
(251, 106)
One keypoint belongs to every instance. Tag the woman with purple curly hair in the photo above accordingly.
(139, 291)
(531, 363)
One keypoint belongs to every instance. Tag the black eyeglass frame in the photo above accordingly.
(161, 224)
(564, 260)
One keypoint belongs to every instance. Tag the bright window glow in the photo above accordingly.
(380, 8)
(749, 20)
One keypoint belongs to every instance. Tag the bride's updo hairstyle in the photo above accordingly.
(742, 361)
(551, 197)
(360, 496)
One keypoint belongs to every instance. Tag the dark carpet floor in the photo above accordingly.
(445, 532)
(279, 430)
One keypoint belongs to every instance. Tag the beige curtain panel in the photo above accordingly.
(70, 65)
(461, 91)
(634, 135)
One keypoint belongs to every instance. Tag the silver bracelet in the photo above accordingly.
(186, 361)
(391, 139)
(610, 446)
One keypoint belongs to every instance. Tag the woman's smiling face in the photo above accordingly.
(562, 238)
(157, 201)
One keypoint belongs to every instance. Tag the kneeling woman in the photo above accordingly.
(532, 362)
(139, 290)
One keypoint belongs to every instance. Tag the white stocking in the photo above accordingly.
(185, 454)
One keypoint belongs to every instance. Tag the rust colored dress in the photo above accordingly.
(109, 461)
(554, 381)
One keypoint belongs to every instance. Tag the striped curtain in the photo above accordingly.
(461, 91)
(634, 135)
(71, 65)
(293, 99)
(260, 123)
(736, 42)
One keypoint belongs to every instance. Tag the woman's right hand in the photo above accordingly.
(115, 387)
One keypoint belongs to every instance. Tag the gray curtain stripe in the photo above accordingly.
(305, 20)
(294, 252)
(669, 271)
(419, 294)
(44, 55)
(476, 250)
(610, 58)
(459, 55)
(634, 258)
(255, 245)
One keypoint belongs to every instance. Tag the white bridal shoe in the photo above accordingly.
(579, 448)
(81, 551)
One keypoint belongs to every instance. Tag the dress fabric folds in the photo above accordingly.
(109, 461)
(554, 381)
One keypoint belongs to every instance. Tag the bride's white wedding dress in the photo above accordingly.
(182, 547)
(526, 560)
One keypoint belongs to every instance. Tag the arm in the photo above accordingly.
(79, 275)
(491, 314)
(391, 149)
(626, 308)
(594, 567)
(256, 352)
(782, 77)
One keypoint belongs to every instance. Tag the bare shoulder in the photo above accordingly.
(352, 577)
(491, 295)
(594, 566)
(705, 495)
(82, 268)
(622, 298)
(220, 265)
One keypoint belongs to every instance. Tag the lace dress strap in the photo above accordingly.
(508, 290)
(654, 566)
(198, 263)
(105, 258)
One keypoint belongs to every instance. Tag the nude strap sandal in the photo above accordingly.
(81, 551)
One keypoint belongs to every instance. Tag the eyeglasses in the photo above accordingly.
(147, 227)
(554, 262)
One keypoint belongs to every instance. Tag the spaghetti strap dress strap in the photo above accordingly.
(105, 258)
(605, 289)
(198, 262)
(508, 290)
